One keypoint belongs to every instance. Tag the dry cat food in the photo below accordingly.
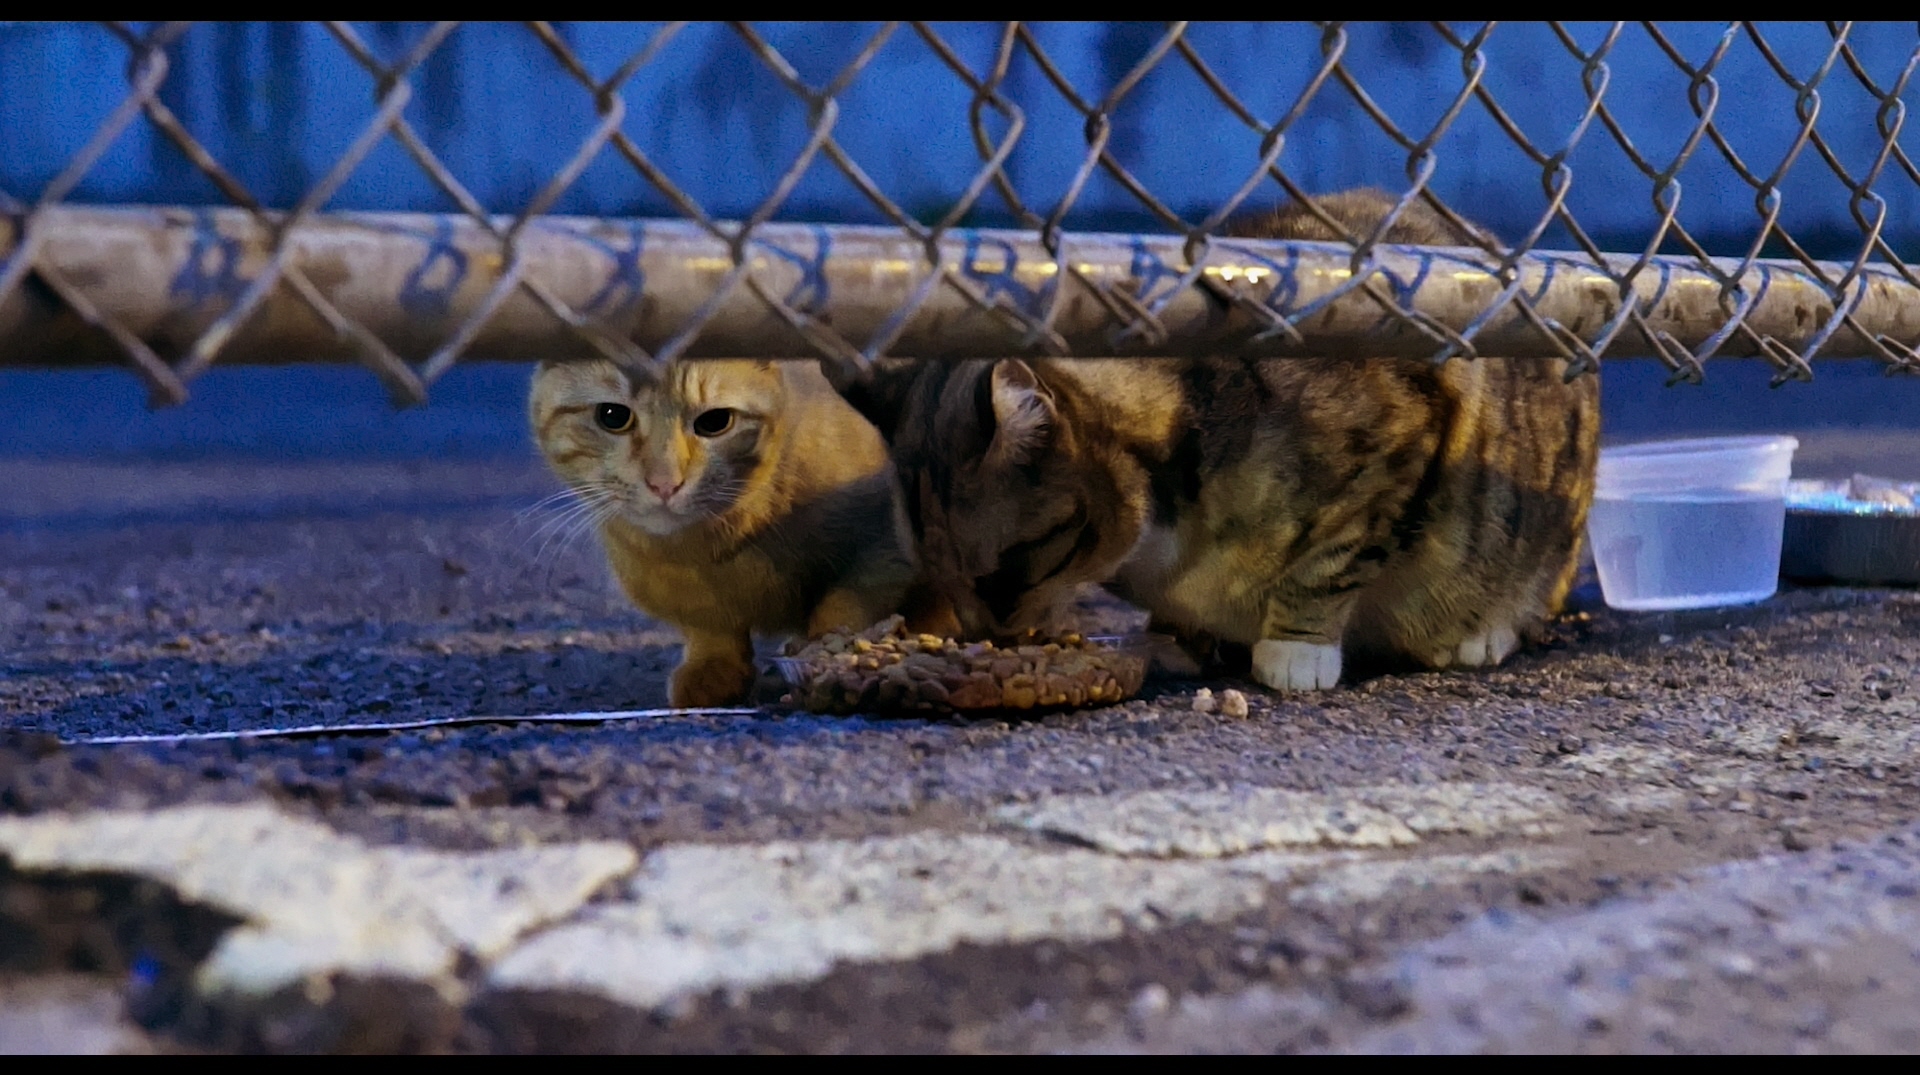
(885, 668)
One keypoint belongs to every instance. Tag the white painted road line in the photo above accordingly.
(316, 901)
(710, 917)
(696, 917)
(1209, 824)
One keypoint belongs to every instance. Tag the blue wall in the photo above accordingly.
(278, 102)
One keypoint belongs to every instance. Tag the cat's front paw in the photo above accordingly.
(1288, 665)
(711, 682)
(1486, 649)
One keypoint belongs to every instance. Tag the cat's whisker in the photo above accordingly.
(546, 559)
(546, 564)
(564, 521)
(545, 503)
(550, 525)
(533, 526)
(563, 502)
(719, 496)
(569, 522)
(564, 539)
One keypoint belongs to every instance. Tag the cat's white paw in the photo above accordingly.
(1487, 648)
(1287, 665)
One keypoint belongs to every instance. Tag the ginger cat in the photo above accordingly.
(733, 498)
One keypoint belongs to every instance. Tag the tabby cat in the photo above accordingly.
(1305, 508)
(733, 497)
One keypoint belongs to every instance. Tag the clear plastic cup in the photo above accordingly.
(1690, 523)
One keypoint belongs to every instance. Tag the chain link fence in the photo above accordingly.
(1781, 118)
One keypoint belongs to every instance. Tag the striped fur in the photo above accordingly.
(787, 522)
(1305, 509)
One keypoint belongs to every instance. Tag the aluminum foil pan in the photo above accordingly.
(1863, 530)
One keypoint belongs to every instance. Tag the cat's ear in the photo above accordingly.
(1022, 412)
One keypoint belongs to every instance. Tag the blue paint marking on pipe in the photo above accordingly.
(212, 266)
(418, 297)
(1003, 282)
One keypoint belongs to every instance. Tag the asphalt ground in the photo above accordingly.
(1656, 832)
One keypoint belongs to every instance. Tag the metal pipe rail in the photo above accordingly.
(173, 290)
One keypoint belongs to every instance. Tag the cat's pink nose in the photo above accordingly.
(665, 488)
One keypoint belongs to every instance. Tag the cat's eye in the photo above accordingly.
(714, 422)
(613, 417)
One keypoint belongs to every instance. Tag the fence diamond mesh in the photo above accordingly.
(1576, 156)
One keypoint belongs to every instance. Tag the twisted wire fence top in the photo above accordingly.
(1681, 191)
